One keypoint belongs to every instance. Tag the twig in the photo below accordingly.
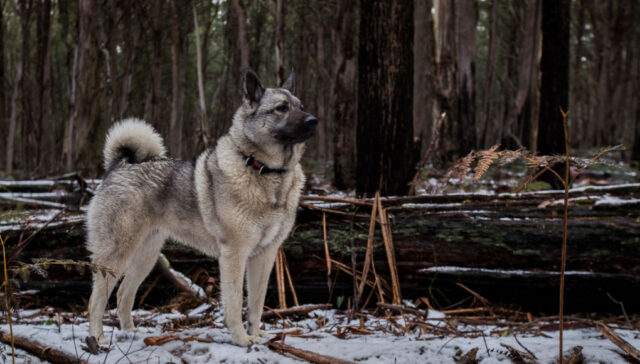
(46, 353)
(368, 260)
(391, 255)
(326, 250)
(483, 300)
(401, 309)
(624, 312)
(6, 297)
(282, 297)
(298, 310)
(23, 244)
(306, 355)
(332, 211)
(565, 218)
(620, 342)
(286, 270)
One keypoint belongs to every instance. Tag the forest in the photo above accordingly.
(472, 187)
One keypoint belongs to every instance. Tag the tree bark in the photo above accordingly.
(488, 89)
(153, 106)
(280, 22)
(520, 119)
(178, 55)
(422, 56)
(345, 97)
(321, 78)
(554, 92)
(204, 126)
(385, 98)
(45, 136)
(455, 50)
(87, 89)
(243, 38)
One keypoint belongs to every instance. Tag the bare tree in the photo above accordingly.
(344, 96)
(455, 49)
(488, 89)
(385, 98)
(280, 22)
(178, 59)
(204, 128)
(521, 119)
(243, 38)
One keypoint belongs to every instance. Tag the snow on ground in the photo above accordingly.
(387, 344)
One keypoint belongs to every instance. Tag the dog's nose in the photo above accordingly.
(310, 121)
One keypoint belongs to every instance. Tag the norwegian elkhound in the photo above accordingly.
(236, 202)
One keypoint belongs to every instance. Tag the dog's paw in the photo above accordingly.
(255, 339)
(242, 339)
(258, 333)
(102, 341)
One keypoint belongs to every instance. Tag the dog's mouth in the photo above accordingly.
(298, 135)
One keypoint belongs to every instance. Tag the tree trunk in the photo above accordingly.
(455, 51)
(345, 98)
(153, 106)
(86, 155)
(243, 38)
(178, 55)
(520, 120)
(385, 98)
(554, 92)
(321, 78)
(488, 89)
(45, 136)
(4, 86)
(422, 50)
(280, 22)
(204, 127)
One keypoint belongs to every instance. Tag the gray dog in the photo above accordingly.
(236, 202)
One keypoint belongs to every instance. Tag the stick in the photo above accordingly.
(306, 355)
(286, 270)
(6, 298)
(326, 250)
(368, 260)
(475, 294)
(282, 297)
(401, 309)
(565, 218)
(177, 279)
(620, 342)
(391, 255)
(23, 244)
(46, 353)
(299, 310)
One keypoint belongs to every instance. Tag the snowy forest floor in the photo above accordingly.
(385, 338)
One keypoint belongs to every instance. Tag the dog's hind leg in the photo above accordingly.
(141, 264)
(258, 271)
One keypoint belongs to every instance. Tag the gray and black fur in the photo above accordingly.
(215, 203)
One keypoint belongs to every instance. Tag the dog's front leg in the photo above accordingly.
(232, 267)
(258, 272)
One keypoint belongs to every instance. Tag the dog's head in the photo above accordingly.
(274, 115)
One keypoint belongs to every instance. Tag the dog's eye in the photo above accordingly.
(283, 108)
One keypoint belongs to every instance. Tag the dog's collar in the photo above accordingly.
(259, 166)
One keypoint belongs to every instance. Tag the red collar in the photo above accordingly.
(259, 166)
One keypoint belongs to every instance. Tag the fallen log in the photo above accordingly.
(43, 352)
(506, 247)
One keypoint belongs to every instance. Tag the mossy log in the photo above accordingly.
(502, 239)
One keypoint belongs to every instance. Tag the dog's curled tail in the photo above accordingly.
(134, 140)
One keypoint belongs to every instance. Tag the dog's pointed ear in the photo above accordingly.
(289, 82)
(251, 86)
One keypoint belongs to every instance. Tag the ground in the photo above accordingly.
(326, 332)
